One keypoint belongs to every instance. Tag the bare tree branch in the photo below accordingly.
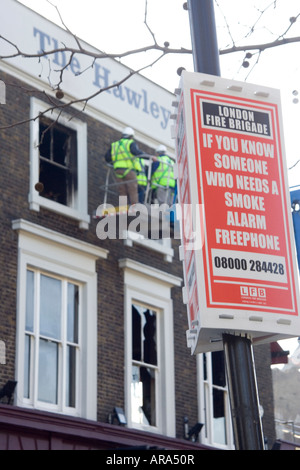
(64, 24)
(64, 105)
(260, 47)
(162, 50)
(155, 47)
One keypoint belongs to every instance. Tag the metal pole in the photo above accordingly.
(243, 392)
(240, 369)
(204, 37)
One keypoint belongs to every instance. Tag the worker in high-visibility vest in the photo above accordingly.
(163, 182)
(124, 156)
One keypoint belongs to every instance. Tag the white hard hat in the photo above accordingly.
(161, 148)
(128, 131)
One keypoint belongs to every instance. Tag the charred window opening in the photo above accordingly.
(144, 366)
(57, 162)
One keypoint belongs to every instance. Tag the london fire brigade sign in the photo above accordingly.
(237, 248)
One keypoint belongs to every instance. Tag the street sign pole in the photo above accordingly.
(238, 351)
(243, 393)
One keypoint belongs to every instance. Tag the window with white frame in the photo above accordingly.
(149, 348)
(145, 367)
(214, 401)
(52, 340)
(56, 365)
(58, 163)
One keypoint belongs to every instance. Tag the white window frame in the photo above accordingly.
(155, 368)
(59, 255)
(61, 342)
(205, 405)
(79, 208)
(151, 287)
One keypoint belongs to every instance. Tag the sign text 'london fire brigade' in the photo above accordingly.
(245, 271)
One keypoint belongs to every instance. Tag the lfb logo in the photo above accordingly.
(253, 292)
(2, 92)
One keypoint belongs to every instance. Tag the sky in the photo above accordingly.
(118, 25)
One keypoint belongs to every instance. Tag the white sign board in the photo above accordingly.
(240, 268)
(137, 102)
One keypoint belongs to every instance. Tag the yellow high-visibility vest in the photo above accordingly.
(140, 172)
(122, 157)
(163, 175)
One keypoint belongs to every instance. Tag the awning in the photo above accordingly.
(278, 355)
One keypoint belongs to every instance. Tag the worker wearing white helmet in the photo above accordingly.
(162, 179)
(161, 149)
(124, 156)
(128, 132)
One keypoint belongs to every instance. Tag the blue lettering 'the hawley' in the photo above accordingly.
(103, 79)
(140, 100)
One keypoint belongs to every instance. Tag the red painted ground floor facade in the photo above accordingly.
(22, 429)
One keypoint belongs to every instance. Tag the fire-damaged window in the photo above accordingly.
(57, 162)
(149, 392)
(144, 366)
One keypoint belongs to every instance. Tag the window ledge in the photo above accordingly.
(36, 202)
(157, 274)
(22, 225)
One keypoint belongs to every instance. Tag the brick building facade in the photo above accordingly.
(42, 245)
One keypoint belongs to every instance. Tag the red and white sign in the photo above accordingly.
(190, 291)
(232, 170)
